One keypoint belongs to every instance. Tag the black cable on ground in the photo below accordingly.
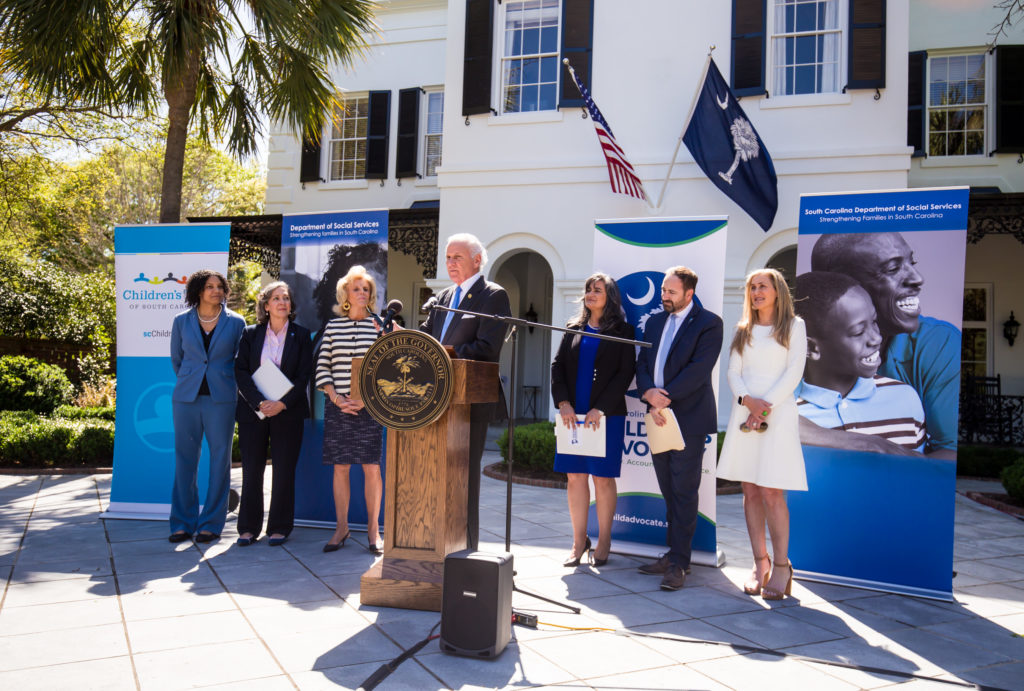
(387, 668)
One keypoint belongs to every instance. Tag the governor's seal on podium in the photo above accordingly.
(406, 380)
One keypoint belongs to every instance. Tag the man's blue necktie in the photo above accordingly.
(666, 345)
(454, 304)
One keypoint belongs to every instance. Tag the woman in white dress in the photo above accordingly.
(762, 442)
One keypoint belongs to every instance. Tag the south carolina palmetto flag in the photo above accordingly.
(729, 151)
(621, 174)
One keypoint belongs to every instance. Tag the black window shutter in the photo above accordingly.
(866, 54)
(916, 106)
(378, 121)
(407, 143)
(577, 45)
(309, 165)
(476, 61)
(748, 47)
(1009, 99)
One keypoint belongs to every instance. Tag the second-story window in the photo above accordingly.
(347, 143)
(432, 132)
(956, 105)
(805, 46)
(529, 63)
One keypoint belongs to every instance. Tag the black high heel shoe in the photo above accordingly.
(599, 562)
(376, 548)
(331, 547)
(574, 560)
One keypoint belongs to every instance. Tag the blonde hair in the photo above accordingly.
(783, 311)
(356, 272)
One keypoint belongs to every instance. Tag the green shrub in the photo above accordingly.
(1013, 479)
(28, 384)
(535, 446)
(71, 412)
(32, 441)
(984, 461)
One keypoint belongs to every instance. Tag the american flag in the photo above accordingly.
(621, 174)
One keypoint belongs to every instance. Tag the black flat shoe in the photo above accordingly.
(574, 560)
(207, 537)
(178, 537)
(276, 541)
(246, 541)
(334, 547)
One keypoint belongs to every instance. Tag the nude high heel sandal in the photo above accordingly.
(772, 594)
(753, 586)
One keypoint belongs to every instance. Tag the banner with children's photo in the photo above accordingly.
(152, 264)
(636, 252)
(880, 279)
(318, 249)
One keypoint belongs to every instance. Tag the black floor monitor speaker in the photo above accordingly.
(476, 603)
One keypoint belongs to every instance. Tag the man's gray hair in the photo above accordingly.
(474, 244)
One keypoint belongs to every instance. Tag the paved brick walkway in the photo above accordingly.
(111, 604)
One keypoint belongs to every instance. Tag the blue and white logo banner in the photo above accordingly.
(636, 252)
(880, 287)
(151, 267)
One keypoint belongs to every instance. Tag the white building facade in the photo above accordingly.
(823, 81)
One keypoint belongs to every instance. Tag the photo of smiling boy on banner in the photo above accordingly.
(880, 287)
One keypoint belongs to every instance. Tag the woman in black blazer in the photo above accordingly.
(278, 340)
(590, 376)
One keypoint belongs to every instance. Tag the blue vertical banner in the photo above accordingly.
(318, 249)
(880, 287)
(151, 266)
(636, 252)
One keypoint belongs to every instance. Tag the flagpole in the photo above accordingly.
(679, 142)
(647, 197)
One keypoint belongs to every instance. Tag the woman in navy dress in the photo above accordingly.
(590, 376)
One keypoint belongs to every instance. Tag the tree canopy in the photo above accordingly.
(217, 64)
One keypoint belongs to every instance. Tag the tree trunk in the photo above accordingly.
(180, 92)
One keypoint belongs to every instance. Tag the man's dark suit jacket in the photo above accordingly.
(296, 364)
(472, 337)
(695, 350)
(614, 365)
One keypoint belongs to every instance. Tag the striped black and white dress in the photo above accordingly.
(348, 438)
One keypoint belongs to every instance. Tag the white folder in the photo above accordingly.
(666, 438)
(580, 440)
(271, 382)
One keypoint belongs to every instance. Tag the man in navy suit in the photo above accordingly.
(675, 373)
(473, 338)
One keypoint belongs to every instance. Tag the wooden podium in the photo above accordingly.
(425, 492)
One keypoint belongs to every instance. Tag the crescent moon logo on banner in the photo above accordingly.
(647, 296)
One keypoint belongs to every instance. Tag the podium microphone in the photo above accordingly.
(429, 304)
(393, 309)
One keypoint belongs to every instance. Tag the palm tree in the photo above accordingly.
(219, 64)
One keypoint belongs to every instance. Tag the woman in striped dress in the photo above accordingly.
(350, 434)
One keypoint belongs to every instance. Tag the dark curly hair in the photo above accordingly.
(196, 283)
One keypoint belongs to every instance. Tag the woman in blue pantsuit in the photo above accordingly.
(204, 341)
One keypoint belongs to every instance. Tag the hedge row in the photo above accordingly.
(28, 440)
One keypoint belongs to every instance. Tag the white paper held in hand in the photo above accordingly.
(271, 382)
(580, 440)
(668, 437)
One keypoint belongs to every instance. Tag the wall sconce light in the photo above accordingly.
(1011, 327)
(530, 316)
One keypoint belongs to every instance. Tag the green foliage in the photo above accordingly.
(40, 300)
(29, 440)
(71, 412)
(28, 384)
(984, 461)
(1013, 480)
(244, 279)
(534, 446)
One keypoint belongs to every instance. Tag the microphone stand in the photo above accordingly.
(513, 333)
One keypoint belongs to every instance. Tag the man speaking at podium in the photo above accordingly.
(473, 338)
